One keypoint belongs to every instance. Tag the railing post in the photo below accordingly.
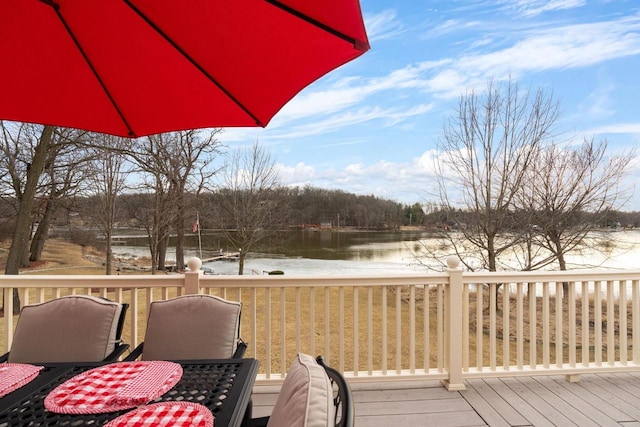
(453, 322)
(192, 277)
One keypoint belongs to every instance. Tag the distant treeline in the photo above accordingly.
(451, 218)
(307, 206)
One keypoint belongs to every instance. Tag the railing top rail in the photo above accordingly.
(86, 281)
(540, 276)
(322, 281)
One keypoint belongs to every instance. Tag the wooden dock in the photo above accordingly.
(230, 256)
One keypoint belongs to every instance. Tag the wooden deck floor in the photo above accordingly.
(596, 400)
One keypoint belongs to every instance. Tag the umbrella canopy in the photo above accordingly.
(139, 67)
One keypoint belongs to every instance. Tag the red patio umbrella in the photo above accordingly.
(139, 67)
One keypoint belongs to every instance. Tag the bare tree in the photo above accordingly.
(176, 163)
(110, 170)
(251, 207)
(28, 149)
(31, 160)
(571, 190)
(30, 153)
(487, 148)
(64, 175)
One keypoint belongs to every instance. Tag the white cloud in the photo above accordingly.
(382, 25)
(449, 26)
(349, 118)
(405, 182)
(299, 175)
(530, 8)
(617, 128)
(539, 50)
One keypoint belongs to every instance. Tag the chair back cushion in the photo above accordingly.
(192, 327)
(306, 397)
(75, 328)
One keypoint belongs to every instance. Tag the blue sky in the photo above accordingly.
(370, 127)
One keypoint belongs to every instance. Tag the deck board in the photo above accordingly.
(571, 397)
(596, 400)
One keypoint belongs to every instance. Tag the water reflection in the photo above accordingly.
(307, 253)
(367, 253)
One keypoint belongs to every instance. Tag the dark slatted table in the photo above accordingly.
(222, 385)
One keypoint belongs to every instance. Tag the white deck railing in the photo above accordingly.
(447, 326)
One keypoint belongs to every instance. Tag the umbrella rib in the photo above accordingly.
(56, 8)
(357, 44)
(194, 62)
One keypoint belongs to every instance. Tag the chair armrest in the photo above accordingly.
(240, 350)
(137, 352)
(117, 352)
(255, 422)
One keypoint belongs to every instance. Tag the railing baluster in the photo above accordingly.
(546, 327)
(519, 326)
(493, 306)
(327, 321)
(571, 303)
(385, 331)
(635, 309)
(622, 319)
(559, 325)
(312, 320)
(585, 323)
(356, 352)
(412, 329)
(267, 314)
(611, 320)
(533, 325)
(370, 330)
(254, 322)
(506, 325)
(341, 329)
(440, 338)
(283, 333)
(597, 322)
(133, 309)
(298, 320)
(479, 327)
(8, 317)
(398, 329)
(465, 329)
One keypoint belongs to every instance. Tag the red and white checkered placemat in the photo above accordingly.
(15, 375)
(174, 414)
(114, 387)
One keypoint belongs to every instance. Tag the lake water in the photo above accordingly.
(370, 253)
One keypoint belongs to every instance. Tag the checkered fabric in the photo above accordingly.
(114, 387)
(174, 414)
(15, 375)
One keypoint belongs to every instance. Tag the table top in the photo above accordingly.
(222, 385)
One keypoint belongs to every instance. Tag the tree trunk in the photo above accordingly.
(42, 232)
(241, 258)
(162, 252)
(22, 231)
(109, 256)
(180, 242)
(563, 266)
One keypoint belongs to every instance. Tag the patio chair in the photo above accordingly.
(312, 395)
(192, 327)
(74, 328)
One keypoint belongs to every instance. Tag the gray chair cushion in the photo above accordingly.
(76, 328)
(192, 327)
(306, 397)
